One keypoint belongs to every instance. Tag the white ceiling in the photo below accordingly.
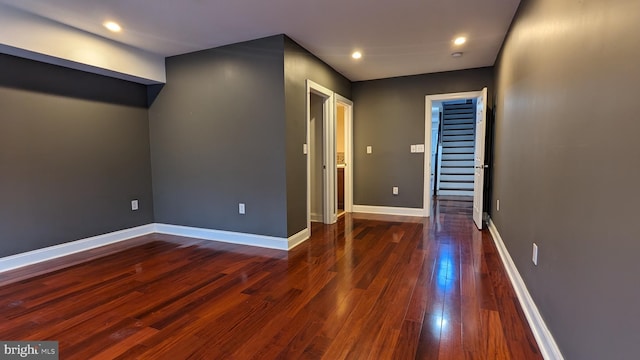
(397, 38)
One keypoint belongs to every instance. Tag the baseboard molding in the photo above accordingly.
(389, 210)
(264, 241)
(56, 251)
(299, 238)
(49, 253)
(546, 342)
(316, 217)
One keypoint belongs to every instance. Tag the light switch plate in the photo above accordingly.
(241, 209)
(395, 190)
(413, 148)
(420, 148)
(369, 149)
(134, 205)
(305, 149)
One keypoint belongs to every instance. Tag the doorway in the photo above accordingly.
(316, 157)
(321, 155)
(455, 158)
(321, 148)
(344, 148)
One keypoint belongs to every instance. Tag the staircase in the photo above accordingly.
(458, 146)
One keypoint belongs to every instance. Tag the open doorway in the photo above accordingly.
(316, 157)
(344, 168)
(323, 106)
(340, 158)
(455, 132)
(321, 155)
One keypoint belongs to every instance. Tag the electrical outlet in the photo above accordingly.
(395, 190)
(241, 209)
(134, 205)
(498, 205)
(534, 257)
(369, 149)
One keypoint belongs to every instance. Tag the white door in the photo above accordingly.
(478, 179)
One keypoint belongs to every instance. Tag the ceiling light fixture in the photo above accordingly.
(457, 54)
(112, 26)
(356, 55)
(460, 40)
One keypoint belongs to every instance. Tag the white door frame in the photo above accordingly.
(329, 152)
(348, 151)
(429, 99)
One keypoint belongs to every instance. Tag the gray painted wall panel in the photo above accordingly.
(389, 116)
(299, 66)
(74, 151)
(218, 139)
(565, 136)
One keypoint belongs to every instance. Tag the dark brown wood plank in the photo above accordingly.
(370, 286)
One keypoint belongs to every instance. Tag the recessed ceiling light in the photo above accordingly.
(460, 40)
(457, 54)
(113, 26)
(356, 55)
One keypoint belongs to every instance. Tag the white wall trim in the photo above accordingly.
(264, 241)
(299, 238)
(389, 210)
(316, 217)
(56, 251)
(545, 340)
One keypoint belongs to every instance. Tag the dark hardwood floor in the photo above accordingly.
(369, 287)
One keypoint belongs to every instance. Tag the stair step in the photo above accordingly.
(448, 110)
(459, 118)
(446, 150)
(458, 106)
(456, 171)
(456, 177)
(445, 185)
(456, 163)
(468, 122)
(458, 127)
(458, 144)
(449, 137)
(467, 156)
(458, 132)
(455, 193)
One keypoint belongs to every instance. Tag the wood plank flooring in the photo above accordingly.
(368, 287)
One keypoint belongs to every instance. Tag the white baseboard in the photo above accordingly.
(388, 210)
(299, 238)
(52, 252)
(264, 241)
(317, 217)
(545, 340)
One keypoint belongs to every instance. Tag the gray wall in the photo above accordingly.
(566, 168)
(74, 151)
(389, 116)
(218, 139)
(300, 65)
